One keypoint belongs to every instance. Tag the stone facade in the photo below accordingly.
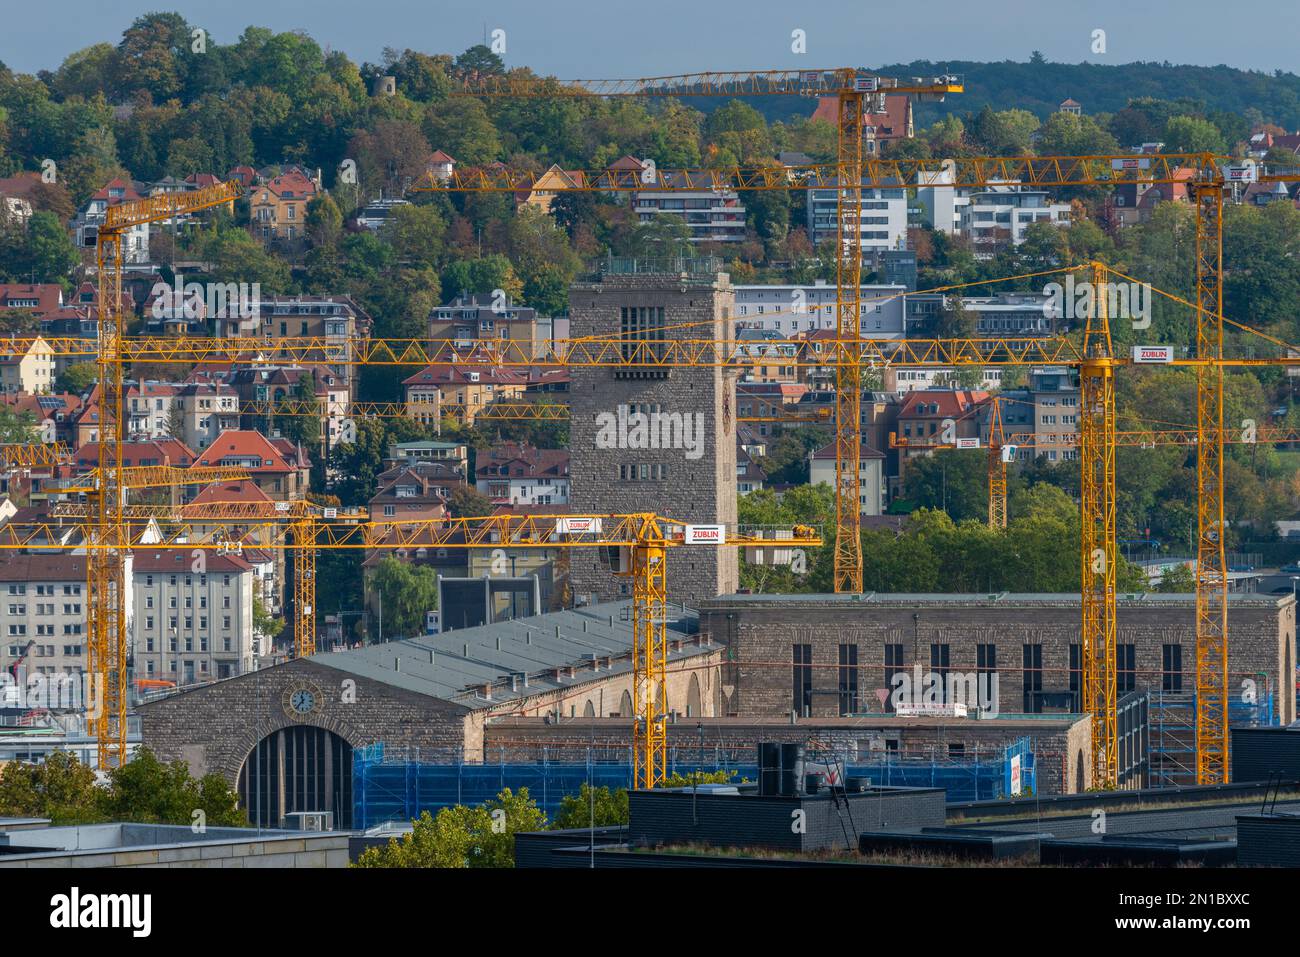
(697, 489)
(214, 728)
(763, 630)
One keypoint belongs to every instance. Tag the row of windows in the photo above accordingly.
(986, 663)
(44, 651)
(18, 631)
(189, 601)
(21, 589)
(189, 622)
(643, 472)
(189, 579)
(227, 644)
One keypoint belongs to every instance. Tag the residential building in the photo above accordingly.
(1046, 407)
(467, 320)
(455, 454)
(879, 127)
(413, 494)
(135, 239)
(40, 299)
(31, 372)
(376, 213)
(749, 474)
(711, 216)
(871, 475)
(791, 309)
(1128, 204)
(998, 216)
(277, 208)
(465, 388)
(149, 409)
(521, 474)
(547, 186)
(882, 217)
(277, 472)
(932, 417)
(17, 197)
(337, 320)
(43, 612)
(441, 166)
(207, 410)
(52, 415)
(193, 620)
(1012, 314)
(1069, 105)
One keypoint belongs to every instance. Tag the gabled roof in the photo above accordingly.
(225, 492)
(827, 453)
(145, 452)
(438, 375)
(178, 560)
(521, 460)
(48, 296)
(438, 156)
(242, 445)
(941, 403)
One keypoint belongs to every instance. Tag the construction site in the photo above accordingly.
(621, 624)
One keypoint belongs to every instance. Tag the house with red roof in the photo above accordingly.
(277, 208)
(895, 123)
(282, 479)
(517, 473)
(39, 299)
(459, 392)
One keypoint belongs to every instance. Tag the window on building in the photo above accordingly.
(893, 666)
(939, 661)
(802, 691)
(1125, 668)
(1032, 657)
(1172, 656)
(848, 679)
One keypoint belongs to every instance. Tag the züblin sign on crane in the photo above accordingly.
(1153, 354)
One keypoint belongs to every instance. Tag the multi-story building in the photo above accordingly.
(277, 208)
(193, 619)
(893, 123)
(519, 474)
(337, 320)
(459, 392)
(31, 372)
(695, 469)
(40, 299)
(43, 612)
(1016, 314)
(882, 217)
(149, 409)
(936, 417)
(454, 454)
(277, 472)
(997, 217)
(135, 240)
(467, 319)
(208, 409)
(711, 216)
(791, 309)
(1048, 408)
(414, 494)
(871, 475)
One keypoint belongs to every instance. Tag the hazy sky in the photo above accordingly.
(580, 39)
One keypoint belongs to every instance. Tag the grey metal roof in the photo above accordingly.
(455, 665)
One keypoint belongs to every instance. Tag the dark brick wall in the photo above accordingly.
(761, 635)
(214, 728)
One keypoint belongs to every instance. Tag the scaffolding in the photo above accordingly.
(1173, 730)
(394, 785)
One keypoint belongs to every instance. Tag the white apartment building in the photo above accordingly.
(192, 622)
(882, 223)
(43, 612)
(711, 216)
(788, 310)
(1001, 214)
(871, 476)
(903, 381)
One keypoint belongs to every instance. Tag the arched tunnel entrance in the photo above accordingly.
(298, 768)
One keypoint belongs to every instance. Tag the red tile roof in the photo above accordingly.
(940, 403)
(48, 296)
(238, 446)
(167, 560)
(225, 492)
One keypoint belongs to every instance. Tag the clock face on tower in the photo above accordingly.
(301, 700)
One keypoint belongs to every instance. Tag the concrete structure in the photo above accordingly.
(1031, 641)
(433, 693)
(710, 216)
(610, 473)
(467, 319)
(998, 216)
(125, 844)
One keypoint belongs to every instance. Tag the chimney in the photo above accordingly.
(433, 657)
(397, 664)
(487, 691)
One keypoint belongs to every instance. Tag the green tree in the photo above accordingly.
(600, 805)
(150, 791)
(60, 788)
(1180, 580)
(406, 593)
(463, 836)
(265, 625)
(77, 377)
(468, 502)
(1190, 134)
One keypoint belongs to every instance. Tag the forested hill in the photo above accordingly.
(1039, 87)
